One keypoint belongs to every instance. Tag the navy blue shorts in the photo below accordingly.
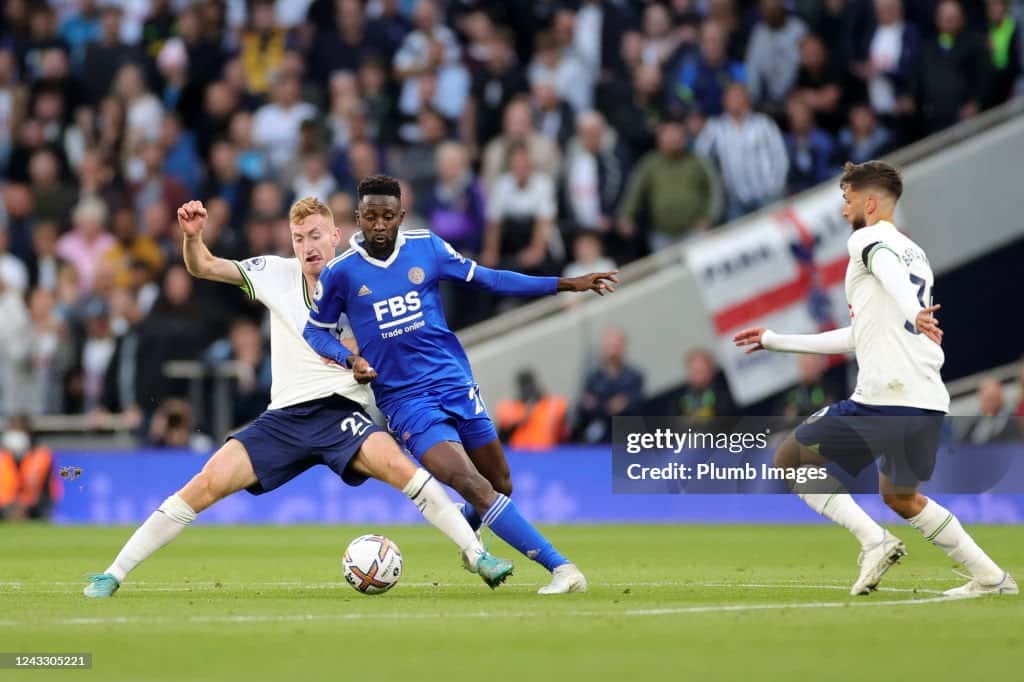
(284, 443)
(902, 440)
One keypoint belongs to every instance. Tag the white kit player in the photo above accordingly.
(895, 414)
(316, 415)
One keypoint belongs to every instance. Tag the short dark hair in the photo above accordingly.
(379, 185)
(876, 174)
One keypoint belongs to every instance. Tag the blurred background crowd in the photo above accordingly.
(541, 136)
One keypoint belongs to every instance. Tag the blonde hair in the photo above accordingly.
(309, 206)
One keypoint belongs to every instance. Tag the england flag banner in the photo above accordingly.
(784, 271)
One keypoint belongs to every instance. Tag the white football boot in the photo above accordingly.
(975, 588)
(875, 561)
(566, 578)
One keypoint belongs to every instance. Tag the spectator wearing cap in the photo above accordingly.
(749, 151)
(773, 53)
(699, 79)
(672, 192)
(86, 243)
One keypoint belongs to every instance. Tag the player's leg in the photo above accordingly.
(448, 461)
(379, 457)
(942, 528)
(227, 471)
(828, 497)
(489, 460)
(830, 435)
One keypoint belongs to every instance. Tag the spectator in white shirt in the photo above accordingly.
(520, 216)
(143, 111)
(749, 151)
(276, 125)
(560, 65)
(13, 272)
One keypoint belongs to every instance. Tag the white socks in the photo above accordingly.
(161, 527)
(939, 527)
(437, 508)
(840, 507)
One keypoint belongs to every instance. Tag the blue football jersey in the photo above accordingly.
(395, 311)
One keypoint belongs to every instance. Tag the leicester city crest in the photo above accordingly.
(416, 275)
(318, 291)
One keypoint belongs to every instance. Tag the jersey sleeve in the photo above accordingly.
(327, 307)
(864, 244)
(453, 265)
(450, 263)
(262, 274)
(328, 303)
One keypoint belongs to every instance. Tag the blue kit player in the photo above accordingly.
(387, 285)
(316, 414)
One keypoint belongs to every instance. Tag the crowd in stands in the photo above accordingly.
(547, 137)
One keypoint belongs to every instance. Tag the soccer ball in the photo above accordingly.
(372, 564)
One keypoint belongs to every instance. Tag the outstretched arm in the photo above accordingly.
(509, 283)
(198, 259)
(834, 342)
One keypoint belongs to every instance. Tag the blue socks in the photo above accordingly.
(472, 516)
(508, 524)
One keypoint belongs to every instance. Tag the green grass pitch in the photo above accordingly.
(756, 603)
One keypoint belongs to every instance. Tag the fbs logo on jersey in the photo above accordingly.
(416, 275)
(364, 291)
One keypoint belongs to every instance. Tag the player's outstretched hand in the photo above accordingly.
(750, 337)
(598, 282)
(928, 325)
(192, 217)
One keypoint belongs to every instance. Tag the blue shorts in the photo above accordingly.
(284, 443)
(903, 440)
(436, 416)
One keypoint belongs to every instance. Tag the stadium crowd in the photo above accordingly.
(540, 136)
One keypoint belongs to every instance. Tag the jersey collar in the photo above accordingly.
(356, 242)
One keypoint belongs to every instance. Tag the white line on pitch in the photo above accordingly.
(277, 618)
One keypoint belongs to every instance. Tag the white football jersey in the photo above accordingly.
(299, 373)
(897, 365)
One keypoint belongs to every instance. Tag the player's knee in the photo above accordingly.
(906, 505)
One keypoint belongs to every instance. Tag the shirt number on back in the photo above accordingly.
(922, 289)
